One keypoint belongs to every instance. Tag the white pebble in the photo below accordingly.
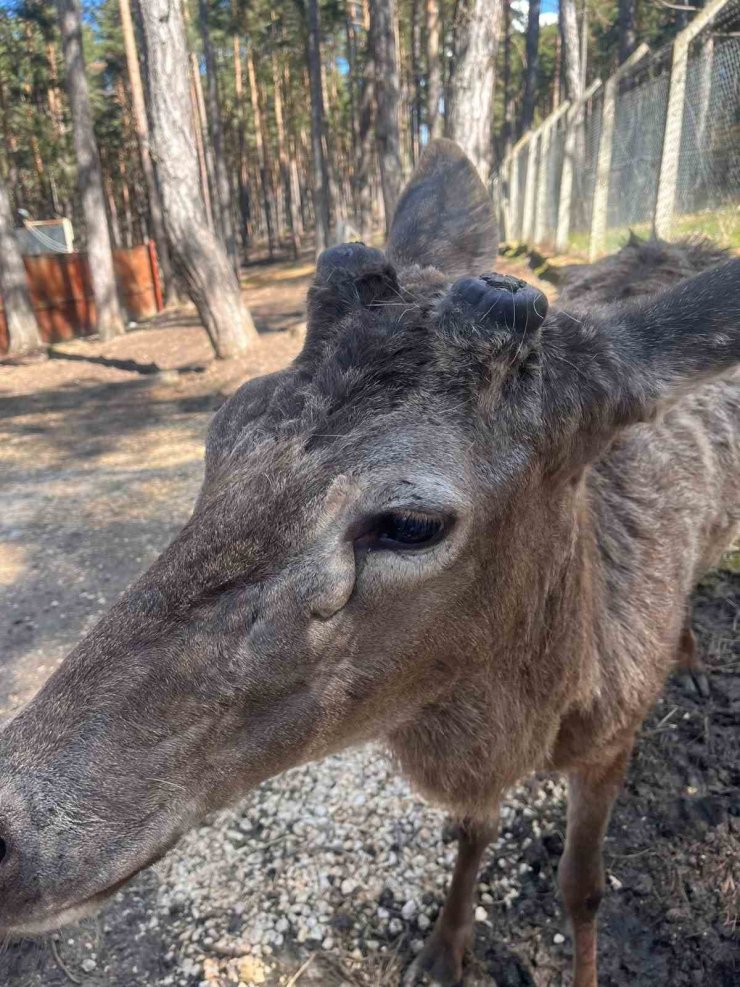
(409, 910)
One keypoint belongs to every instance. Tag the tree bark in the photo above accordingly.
(89, 174)
(557, 82)
(321, 205)
(141, 126)
(365, 121)
(222, 186)
(571, 50)
(627, 37)
(434, 70)
(283, 154)
(508, 129)
(295, 155)
(530, 71)
(471, 113)
(53, 96)
(23, 331)
(200, 117)
(388, 136)
(352, 90)
(207, 271)
(200, 147)
(417, 62)
(261, 137)
(584, 45)
(241, 118)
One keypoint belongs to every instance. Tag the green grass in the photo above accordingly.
(720, 225)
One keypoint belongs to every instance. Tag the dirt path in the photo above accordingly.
(101, 461)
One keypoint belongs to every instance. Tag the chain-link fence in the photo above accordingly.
(656, 148)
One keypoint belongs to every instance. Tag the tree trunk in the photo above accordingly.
(366, 119)
(23, 332)
(627, 38)
(530, 71)
(141, 126)
(241, 120)
(283, 155)
(200, 148)
(295, 157)
(508, 129)
(352, 79)
(571, 50)
(434, 70)
(115, 226)
(321, 205)
(471, 116)
(89, 175)
(53, 96)
(584, 45)
(261, 137)
(405, 94)
(205, 149)
(385, 55)
(222, 187)
(557, 82)
(206, 268)
(416, 70)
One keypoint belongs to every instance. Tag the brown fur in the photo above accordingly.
(582, 472)
(642, 267)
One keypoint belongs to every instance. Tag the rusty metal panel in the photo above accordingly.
(135, 282)
(62, 297)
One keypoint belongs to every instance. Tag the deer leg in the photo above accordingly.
(442, 957)
(591, 794)
(691, 672)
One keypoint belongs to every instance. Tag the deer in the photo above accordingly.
(458, 524)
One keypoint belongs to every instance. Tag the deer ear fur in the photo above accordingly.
(445, 217)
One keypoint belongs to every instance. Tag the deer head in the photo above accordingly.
(383, 547)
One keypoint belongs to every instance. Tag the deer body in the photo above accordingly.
(452, 524)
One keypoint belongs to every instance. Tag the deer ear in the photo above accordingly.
(445, 217)
(626, 363)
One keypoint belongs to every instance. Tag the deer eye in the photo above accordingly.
(404, 530)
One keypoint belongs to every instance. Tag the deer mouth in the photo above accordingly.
(76, 910)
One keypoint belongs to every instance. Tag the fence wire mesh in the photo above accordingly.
(584, 176)
(548, 181)
(709, 161)
(674, 161)
(637, 147)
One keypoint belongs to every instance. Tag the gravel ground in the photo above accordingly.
(334, 872)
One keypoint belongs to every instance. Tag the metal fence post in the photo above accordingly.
(669, 161)
(565, 196)
(599, 216)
